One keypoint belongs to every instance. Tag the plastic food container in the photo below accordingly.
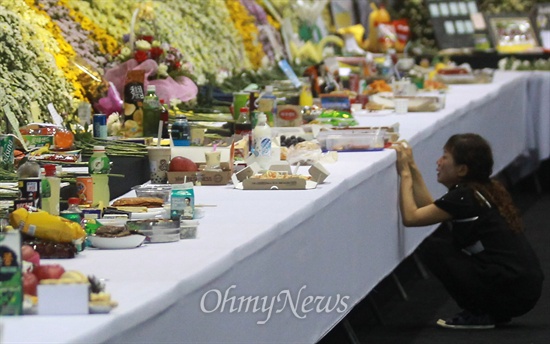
(156, 231)
(352, 143)
(188, 229)
(154, 190)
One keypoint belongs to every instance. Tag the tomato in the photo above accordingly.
(47, 271)
(30, 282)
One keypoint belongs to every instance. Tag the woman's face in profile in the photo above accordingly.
(447, 170)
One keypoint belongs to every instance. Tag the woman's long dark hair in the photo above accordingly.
(475, 152)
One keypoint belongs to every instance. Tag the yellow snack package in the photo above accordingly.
(45, 226)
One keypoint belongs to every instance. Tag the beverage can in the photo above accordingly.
(29, 189)
(85, 189)
(100, 125)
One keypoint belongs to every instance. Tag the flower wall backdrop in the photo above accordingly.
(58, 51)
(29, 71)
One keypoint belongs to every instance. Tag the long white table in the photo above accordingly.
(287, 266)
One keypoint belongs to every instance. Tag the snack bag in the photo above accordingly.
(42, 225)
(403, 32)
(386, 37)
(133, 103)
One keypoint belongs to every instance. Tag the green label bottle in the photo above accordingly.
(151, 112)
(99, 162)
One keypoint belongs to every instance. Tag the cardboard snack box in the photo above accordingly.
(220, 176)
(243, 179)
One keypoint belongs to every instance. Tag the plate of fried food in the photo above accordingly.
(141, 208)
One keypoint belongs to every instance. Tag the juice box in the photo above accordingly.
(11, 282)
(182, 201)
(6, 151)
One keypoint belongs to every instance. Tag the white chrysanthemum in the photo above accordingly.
(175, 102)
(125, 52)
(162, 70)
(143, 45)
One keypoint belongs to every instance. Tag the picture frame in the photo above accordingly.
(540, 16)
(452, 23)
(512, 33)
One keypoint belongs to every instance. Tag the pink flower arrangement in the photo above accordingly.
(164, 65)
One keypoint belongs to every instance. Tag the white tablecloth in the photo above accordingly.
(319, 251)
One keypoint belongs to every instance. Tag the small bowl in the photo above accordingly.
(154, 190)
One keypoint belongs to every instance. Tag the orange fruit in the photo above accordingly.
(63, 139)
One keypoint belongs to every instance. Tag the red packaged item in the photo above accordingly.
(403, 33)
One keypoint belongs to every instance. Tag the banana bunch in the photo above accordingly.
(314, 51)
(68, 277)
(102, 299)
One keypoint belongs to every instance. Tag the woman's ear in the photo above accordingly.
(462, 170)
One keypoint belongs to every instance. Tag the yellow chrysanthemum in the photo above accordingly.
(246, 26)
(107, 44)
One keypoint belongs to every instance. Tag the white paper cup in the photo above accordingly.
(159, 161)
(401, 105)
(212, 159)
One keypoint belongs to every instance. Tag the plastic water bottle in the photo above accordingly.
(262, 141)
(99, 167)
(151, 112)
(267, 103)
(180, 131)
(50, 201)
(99, 162)
(73, 212)
(243, 125)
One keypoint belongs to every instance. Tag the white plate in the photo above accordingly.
(129, 241)
(112, 222)
(99, 309)
(150, 214)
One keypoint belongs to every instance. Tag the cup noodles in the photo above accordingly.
(288, 116)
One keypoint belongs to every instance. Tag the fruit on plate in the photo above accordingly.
(30, 281)
(30, 255)
(181, 164)
(73, 276)
(453, 71)
(48, 271)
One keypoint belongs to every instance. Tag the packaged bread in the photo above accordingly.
(149, 202)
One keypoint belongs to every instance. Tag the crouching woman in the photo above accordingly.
(479, 253)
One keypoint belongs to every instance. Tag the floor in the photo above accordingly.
(384, 316)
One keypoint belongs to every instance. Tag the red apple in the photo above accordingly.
(28, 254)
(181, 164)
(30, 281)
(48, 271)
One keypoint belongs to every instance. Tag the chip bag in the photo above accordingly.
(43, 225)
